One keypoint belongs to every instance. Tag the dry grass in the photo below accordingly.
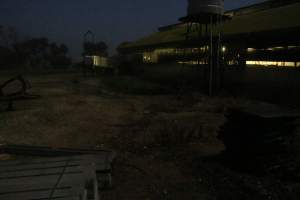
(78, 112)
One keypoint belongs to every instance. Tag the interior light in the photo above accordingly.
(223, 49)
(271, 63)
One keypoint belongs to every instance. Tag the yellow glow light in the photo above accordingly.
(271, 63)
(223, 49)
(251, 50)
(192, 62)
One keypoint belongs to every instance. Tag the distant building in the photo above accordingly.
(96, 60)
(265, 34)
(95, 54)
(260, 54)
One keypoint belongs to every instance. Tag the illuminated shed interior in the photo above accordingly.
(97, 61)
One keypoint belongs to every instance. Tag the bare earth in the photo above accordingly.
(158, 138)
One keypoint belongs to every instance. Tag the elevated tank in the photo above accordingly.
(214, 7)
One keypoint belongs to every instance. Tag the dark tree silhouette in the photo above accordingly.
(38, 51)
(64, 49)
(30, 52)
(6, 55)
(99, 48)
(58, 54)
(8, 36)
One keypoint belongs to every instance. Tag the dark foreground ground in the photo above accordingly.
(166, 143)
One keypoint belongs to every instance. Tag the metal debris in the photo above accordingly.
(17, 94)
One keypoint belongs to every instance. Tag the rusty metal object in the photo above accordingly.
(19, 94)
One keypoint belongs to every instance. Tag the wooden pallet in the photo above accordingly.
(62, 178)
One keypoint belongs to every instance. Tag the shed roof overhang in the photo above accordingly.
(276, 26)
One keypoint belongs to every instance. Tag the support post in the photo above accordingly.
(211, 64)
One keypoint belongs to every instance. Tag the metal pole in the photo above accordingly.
(189, 27)
(218, 71)
(211, 59)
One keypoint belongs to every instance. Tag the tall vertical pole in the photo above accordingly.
(211, 64)
(219, 54)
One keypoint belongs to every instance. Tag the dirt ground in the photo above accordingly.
(163, 141)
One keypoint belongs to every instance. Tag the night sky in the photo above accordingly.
(112, 21)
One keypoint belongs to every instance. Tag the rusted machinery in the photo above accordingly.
(15, 89)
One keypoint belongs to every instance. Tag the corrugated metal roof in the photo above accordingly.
(274, 19)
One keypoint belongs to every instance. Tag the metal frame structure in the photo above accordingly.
(89, 37)
(21, 94)
(208, 32)
(86, 36)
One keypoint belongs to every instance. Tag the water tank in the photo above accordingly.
(214, 7)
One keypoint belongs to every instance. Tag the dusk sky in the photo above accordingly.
(112, 21)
